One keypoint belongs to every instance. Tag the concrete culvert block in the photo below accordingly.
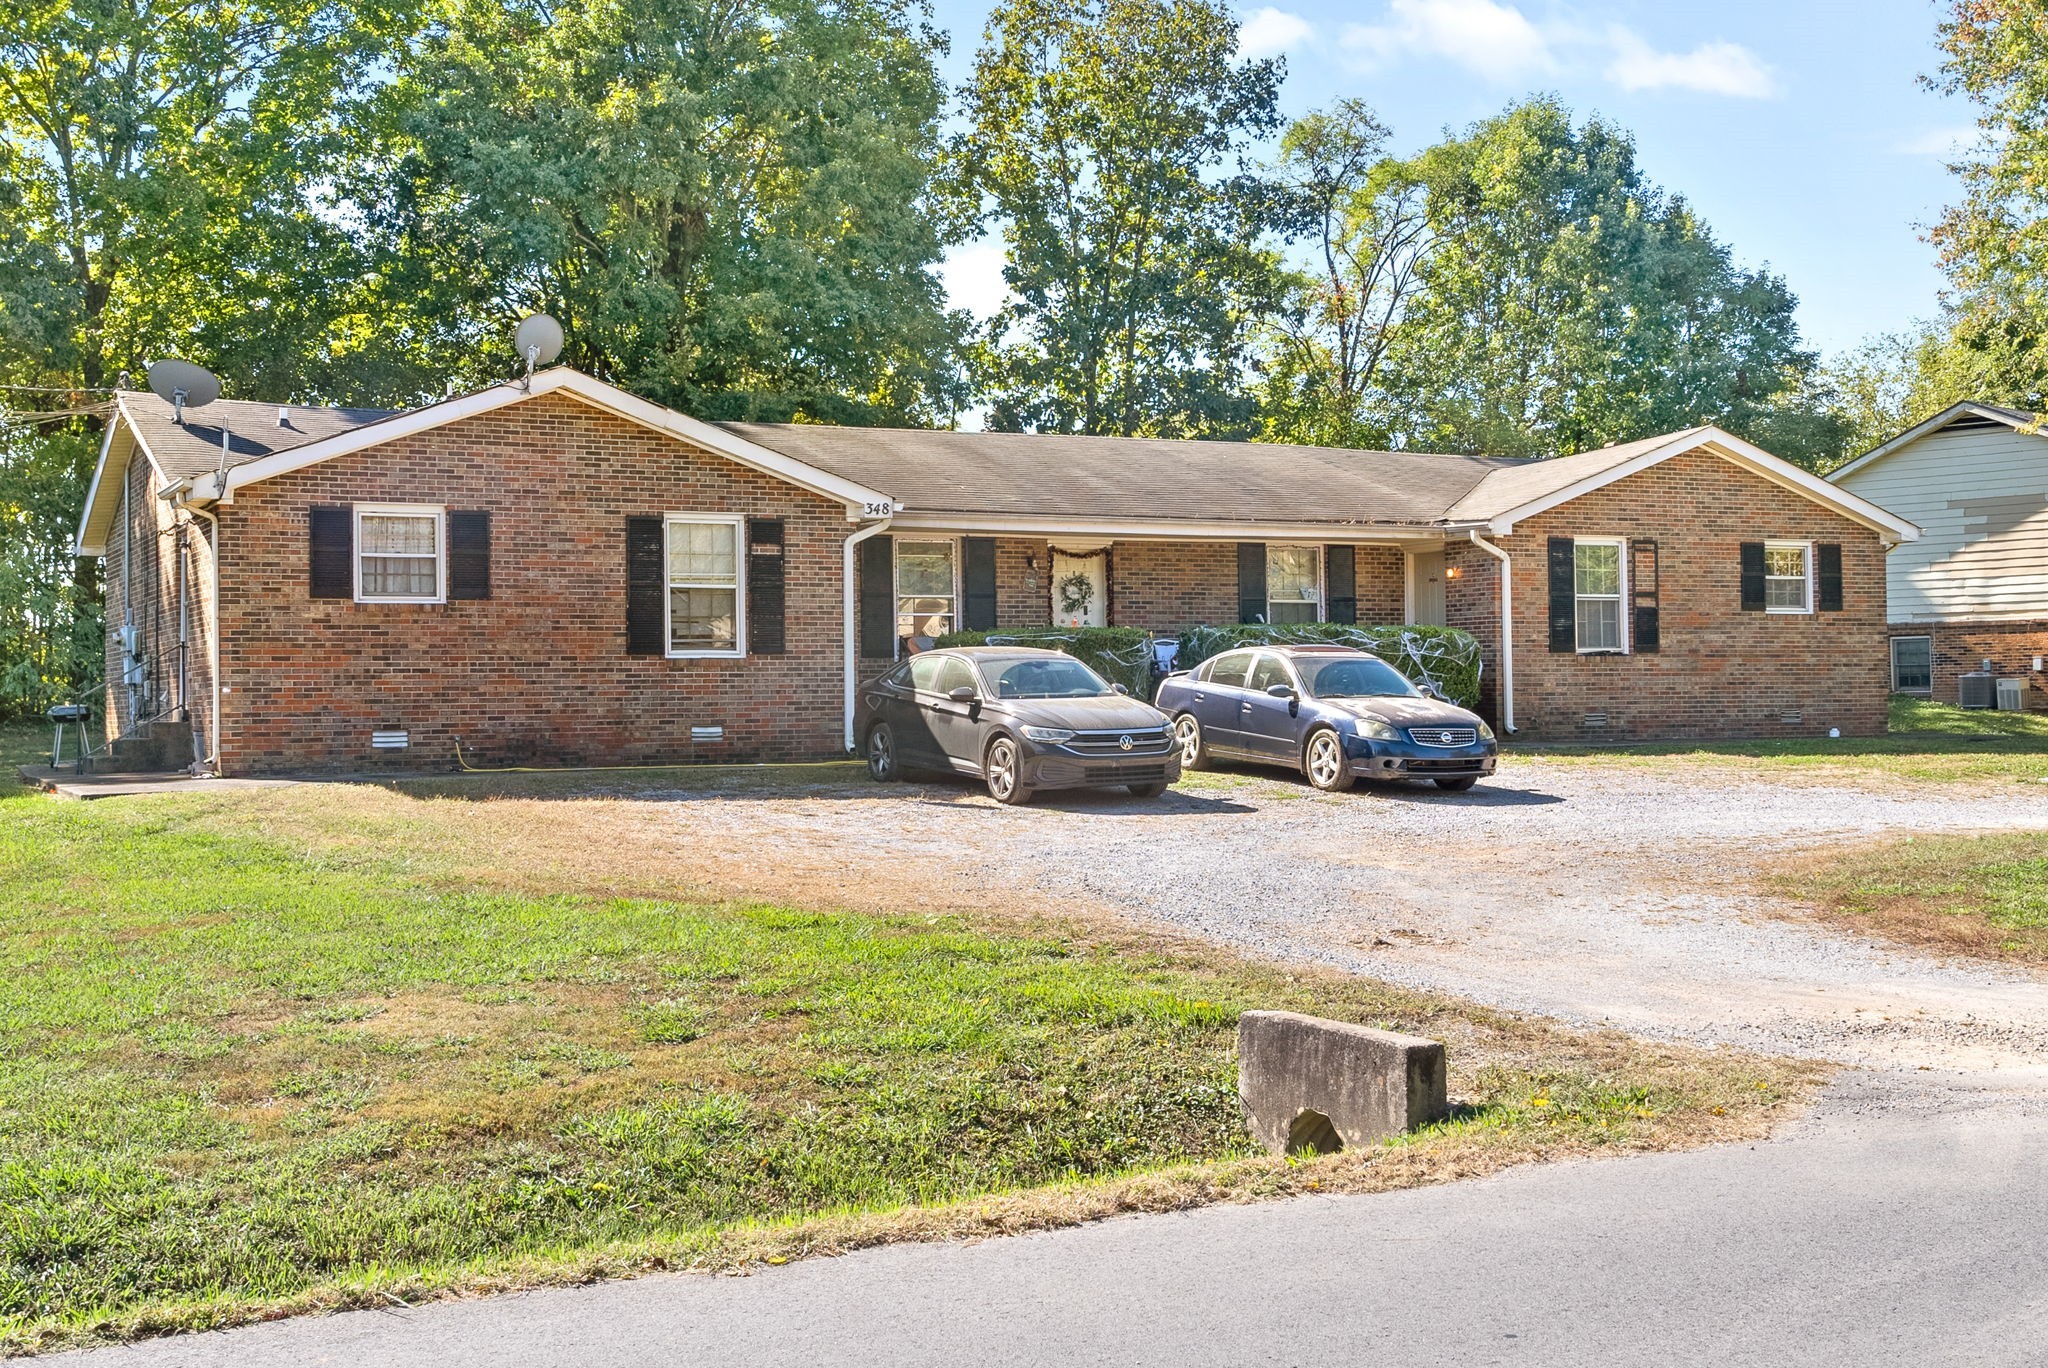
(1307, 1083)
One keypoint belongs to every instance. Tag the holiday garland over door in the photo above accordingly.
(1080, 588)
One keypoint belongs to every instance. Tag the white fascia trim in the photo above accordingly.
(1922, 429)
(859, 499)
(1131, 529)
(1737, 452)
(84, 543)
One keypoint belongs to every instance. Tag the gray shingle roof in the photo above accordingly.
(193, 447)
(1525, 482)
(1051, 475)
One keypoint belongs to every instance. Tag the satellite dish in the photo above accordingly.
(538, 341)
(183, 385)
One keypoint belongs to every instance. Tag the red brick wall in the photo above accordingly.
(1960, 647)
(538, 672)
(1722, 672)
(148, 547)
(1023, 598)
(1382, 586)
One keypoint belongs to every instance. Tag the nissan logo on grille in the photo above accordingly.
(1124, 742)
(1442, 736)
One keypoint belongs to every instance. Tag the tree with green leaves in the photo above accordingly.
(1109, 143)
(1566, 301)
(1367, 225)
(725, 202)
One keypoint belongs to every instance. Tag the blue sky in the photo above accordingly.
(1797, 129)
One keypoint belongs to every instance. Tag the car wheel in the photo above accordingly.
(1323, 759)
(883, 765)
(1187, 734)
(1147, 790)
(1458, 785)
(1003, 769)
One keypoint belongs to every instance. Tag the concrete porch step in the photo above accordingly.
(160, 747)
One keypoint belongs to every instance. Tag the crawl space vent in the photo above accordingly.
(1792, 717)
(1593, 720)
(390, 740)
(707, 733)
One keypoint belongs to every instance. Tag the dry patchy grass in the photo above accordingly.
(1985, 897)
(377, 1045)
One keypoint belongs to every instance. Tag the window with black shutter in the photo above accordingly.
(469, 555)
(978, 583)
(1830, 556)
(766, 613)
(878, 597)
(331, 552)
(1340, 576)
(1753, 577)
(1647, 636)
(1564, 603)
(1251, 581)
(646, 587)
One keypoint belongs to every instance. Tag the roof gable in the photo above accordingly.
(1510, 495)
(1968, 411)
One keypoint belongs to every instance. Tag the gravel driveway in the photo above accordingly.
(1596, 894)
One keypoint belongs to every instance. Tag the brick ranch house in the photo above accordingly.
(557, 571)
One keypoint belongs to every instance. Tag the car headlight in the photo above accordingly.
(1485, 732)
(1376, 730)
(1047, 736)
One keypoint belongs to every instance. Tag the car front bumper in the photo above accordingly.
(1051, 768)
(1406, 760)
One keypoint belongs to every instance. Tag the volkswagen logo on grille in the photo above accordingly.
(1124, 742)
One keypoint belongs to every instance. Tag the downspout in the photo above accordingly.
(211, 764)
(851, 626)
(1507, 629)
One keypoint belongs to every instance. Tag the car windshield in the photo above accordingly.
(1043, 678)
(1353, 677)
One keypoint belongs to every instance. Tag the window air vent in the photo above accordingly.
(390, 740)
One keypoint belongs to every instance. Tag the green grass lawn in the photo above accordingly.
(1925, 741)
(1985, 896)
(329, 1046)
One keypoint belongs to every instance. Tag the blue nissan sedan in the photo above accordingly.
(1333, 713)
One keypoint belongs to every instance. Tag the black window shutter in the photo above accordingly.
(1564, 595)
(978, 580)
(1251, 581)
(331, 552)
(1752, 577)
(469, 556)
(646, 587)
(1340, 576)
(878, 597)
(1646, 636)
(765, 597)
(1830, 576)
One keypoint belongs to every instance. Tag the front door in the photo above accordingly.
(1080, 589)
(1427, 571)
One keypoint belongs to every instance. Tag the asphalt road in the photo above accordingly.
(1905, 1222)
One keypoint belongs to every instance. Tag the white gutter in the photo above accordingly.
(1507, 629)
(851, 626)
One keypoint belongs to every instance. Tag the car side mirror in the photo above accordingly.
(1123, 689)
(963, 694)
(1280, 690)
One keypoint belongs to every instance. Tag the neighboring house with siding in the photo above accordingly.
(561, 572)
(1974, 587)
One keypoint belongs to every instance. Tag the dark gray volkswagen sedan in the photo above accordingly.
(1022, 720)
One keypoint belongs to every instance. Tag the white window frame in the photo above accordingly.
(669, 584)
(1621, 599)
(1805, 549)
(1322, 599)
(1893, 652)
(896, 595)
(439, 513)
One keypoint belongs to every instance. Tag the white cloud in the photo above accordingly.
(973, 276)
(1268, 32)
(1497, 41)
(1718, 68)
